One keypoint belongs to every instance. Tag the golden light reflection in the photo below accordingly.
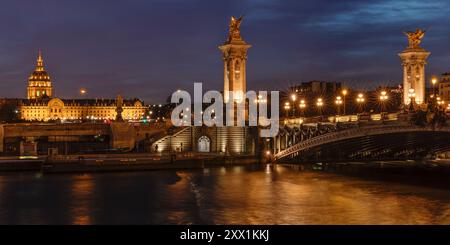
(280, 195)
(179, 191)
(82, 192)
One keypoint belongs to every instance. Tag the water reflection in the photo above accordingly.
(239, 195)
(82, 190)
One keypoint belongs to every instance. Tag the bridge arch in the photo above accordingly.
(374, 141)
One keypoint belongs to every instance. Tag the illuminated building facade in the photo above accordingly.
(79, 109)
(39, 83)
(444, 88)
(40, 104)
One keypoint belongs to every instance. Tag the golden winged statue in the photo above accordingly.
(235, 32)
(414, 38)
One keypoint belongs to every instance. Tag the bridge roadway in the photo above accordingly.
(48, 129)
(388, 136)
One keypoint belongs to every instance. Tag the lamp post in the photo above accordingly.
(319, 105)
(302, 106)
(439, 102)
(260, 100)
(293, 98)
(338, 103)
(344, 94)
(360, 100)
(383, 98)
(433, 82)
(287, 106)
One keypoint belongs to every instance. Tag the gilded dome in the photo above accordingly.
(39, 74)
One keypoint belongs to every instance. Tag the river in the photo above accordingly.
(234, 195)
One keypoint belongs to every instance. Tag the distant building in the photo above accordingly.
(444, 87)
(9, 109)
(310, 92)
(40, 104)
(39, 83)
(317, 88)
(80, 109)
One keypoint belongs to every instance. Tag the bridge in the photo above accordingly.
(376, 137)
(74, 137)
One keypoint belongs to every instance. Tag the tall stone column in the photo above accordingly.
(234, 59)
(413, 63)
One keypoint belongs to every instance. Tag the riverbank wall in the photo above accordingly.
(121, 162)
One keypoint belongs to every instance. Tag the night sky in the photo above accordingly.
(150, 48)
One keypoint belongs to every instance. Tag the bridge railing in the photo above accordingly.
(344, 118)
(350, 133)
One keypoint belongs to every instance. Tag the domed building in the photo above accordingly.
(39, 83)
(41, 105)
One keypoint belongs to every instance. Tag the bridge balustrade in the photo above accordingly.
(341, 134)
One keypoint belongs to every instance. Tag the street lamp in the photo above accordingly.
(319, 104)
(439, 102)
(260, 100)
(434, 81)
(287, 106)
(293, 98)
(360, 100)
(383, 98)
(338, 102)
(344, 93)
(302, 106)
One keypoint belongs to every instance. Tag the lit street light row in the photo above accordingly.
(339, 101)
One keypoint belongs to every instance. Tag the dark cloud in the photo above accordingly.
(149, 48)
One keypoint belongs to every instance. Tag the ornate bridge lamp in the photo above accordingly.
(287, 107)
(433, 82)
(338, 103)
(439, 102)
(302, 106)
(293, 98)
(344, 94)
(360, 101)
(319, 105)
(412, 99)
(383, 99)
